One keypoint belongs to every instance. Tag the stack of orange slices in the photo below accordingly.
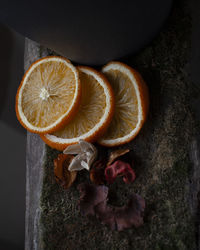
(64, 103)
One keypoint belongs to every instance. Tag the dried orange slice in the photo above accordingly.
(94, 115)
(49, 95)
(131, 104)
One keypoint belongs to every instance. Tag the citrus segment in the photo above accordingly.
(49, 95)
(94, 115)
(131, 104)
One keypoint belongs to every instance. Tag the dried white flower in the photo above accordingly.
(86, 154)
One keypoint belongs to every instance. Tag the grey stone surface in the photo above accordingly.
(34, 173)
(35, 153)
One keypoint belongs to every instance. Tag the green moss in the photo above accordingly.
(160, 153)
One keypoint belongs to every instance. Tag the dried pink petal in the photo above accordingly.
(117, 153)
(91, 196)
(119, 168)
(120, 218)
(106, 214)
(93, 201)
(131, 214)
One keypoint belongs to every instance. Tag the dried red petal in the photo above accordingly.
(119, 168)
(63, 176)
(97, 172)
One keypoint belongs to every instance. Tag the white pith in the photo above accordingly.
(126, 71)
(106, 114)
(44, 95)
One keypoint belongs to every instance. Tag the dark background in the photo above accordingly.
(13, 137)
(88, 32)
(13, 143)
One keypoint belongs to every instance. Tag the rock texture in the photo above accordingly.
(34, 161)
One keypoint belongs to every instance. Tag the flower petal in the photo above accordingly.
(97, 172)
(86, 146)
(91, 195)
(72, 149)
(86, 154)
(63, 176)
(119, 168)
(93, 201)
(75, 164)
(85, 165)
(116, 154)
(131, 214)
(106, 214)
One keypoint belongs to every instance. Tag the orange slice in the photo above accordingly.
(94, 115)
(131, 104)
(49, 95)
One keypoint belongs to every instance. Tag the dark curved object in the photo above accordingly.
(88, 32)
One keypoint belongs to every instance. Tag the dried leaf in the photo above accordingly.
(91, 196)
(86, 154)
(93, 201)
(63, 176)
(119, 168)
(115, 154)
(97, 172)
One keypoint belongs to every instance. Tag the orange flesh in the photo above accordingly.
(48, 93)
(126, 105)
(92, 108)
